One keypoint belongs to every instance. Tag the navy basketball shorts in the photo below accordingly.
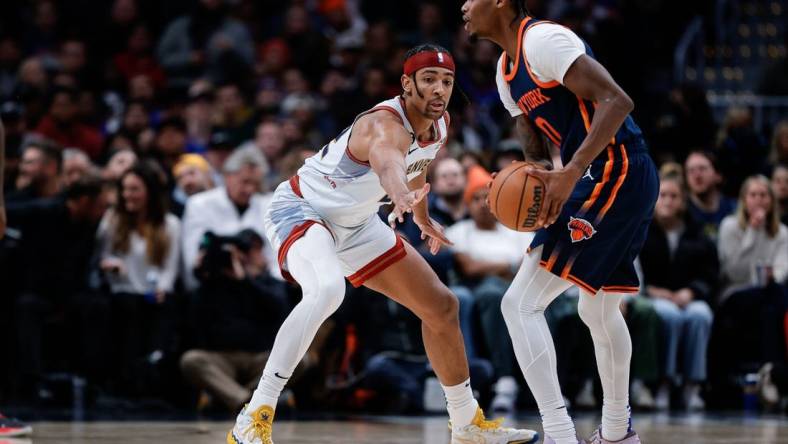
(602, 227)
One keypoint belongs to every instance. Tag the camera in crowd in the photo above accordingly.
(217, 259)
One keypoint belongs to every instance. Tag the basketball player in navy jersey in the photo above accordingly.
(596, 210)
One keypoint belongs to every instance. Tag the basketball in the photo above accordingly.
(516, 198)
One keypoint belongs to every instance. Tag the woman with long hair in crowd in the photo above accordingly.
(139, 257)
(753, 249)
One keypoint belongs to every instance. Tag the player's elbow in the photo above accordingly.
(625, 102)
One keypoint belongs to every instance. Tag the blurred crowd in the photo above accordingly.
(143, 140)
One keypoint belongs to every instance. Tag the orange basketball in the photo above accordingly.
(516, 198)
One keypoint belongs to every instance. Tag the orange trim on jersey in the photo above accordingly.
(447, 119)
(584, 113)
(296, 233)
(581, 284)
(621, 289)
(619, 182)
(354, 158)
(511, 75)
(553, 258)
(568, 266)
(378, 264)
(548, 130)
(551, 84)
(295, 184)
(598, 187)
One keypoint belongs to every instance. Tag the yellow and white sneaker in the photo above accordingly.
(252, 427)
(482, 431)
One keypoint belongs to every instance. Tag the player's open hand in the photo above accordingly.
(404, 203)
(559, 185)
(433, 232)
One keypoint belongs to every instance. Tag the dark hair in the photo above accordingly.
(90, 185)
(155, 230)
(50, 150)
(520, 8)
(709, 156)
(425, 47)
(70, 92)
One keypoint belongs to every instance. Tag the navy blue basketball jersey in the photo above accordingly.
(559, 114)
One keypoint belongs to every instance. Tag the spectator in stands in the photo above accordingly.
(487, 255)
(753, 249)
(707, 206)
(76, 164)
(205, 41)
(61, 124)
(233, 115)
(57, 239)
(269, 140)
(447, 205)
(741, 150)
(139, 256)
(779, 148)
(779, 185)
(192, 175)
(396, 368)
(170, 142)
(138, 57)
(226, 209)
(39, 172)
(753, 238)
(236, 314)
(680, 270)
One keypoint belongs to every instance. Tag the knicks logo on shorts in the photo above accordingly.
(580, 229)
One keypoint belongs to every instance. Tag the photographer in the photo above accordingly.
(235, 316)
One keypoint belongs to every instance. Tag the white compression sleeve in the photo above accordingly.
(313, 262)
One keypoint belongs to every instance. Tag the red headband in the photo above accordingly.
(426, 59)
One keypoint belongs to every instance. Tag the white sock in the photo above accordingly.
(460, 403)
(558, 425)
(615, 420)
(268, 391)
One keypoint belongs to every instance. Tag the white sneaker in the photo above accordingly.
(586, 399)
(767, 390)
(482, 431)
(505, 395)
(692, 399)
(640, 395)
(252, 427)
(662, 401)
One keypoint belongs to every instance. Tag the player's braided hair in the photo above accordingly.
(520, 8)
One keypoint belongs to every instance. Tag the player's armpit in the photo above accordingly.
(535, 147)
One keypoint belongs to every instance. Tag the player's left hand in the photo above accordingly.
(559, 185)
(434, 231)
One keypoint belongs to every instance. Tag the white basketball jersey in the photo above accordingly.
(344, 189)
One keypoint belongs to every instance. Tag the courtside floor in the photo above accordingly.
(653, 429)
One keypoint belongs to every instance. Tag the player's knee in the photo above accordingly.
(588, 312)
(444, 312)
(330, 293)
(510, 307)
(192, 361)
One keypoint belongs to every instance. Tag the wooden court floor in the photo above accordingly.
(653, 429)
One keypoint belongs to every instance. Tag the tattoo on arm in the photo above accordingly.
(534, 145)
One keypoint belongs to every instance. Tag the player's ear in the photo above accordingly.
(407, 84)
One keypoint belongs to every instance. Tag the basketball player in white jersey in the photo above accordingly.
(323, 223)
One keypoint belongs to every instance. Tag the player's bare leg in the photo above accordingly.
(412, 283)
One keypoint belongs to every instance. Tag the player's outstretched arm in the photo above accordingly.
(591, 81)
(431, 230)
(388, 143)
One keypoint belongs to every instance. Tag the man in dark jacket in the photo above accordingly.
(236, 313)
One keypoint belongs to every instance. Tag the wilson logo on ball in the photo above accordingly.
(533, 211)
(580, 229)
